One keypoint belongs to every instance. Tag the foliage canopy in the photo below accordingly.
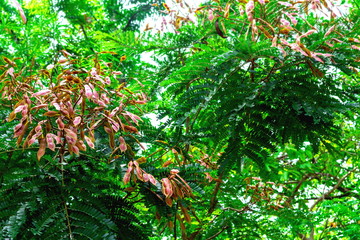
(228, 120)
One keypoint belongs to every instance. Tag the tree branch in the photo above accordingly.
(331, 190)
(304, 178)
(213, 200)
(218, 233)
(246, 208)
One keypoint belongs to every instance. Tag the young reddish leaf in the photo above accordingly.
(308, 33)
(89, 142)
(81, 145)
(117, 73)
(20, 132)
(21, 11)
(126, 178)
(95, 94)
(317, 59)
(140, 102)
(51, 114)
(133, 117)
(127, 175)
(174, 171)
(167, 163)
(38, 128)
(274, 41)
(60, 123)
(11, 117)
(61, 61)
(354, 40)
(88, 91)
(355, 47)
(285, 4)
(130, 129)
(77, 121)
(113, 112)
(41, 151)
(182, 227)
(39, 106)
(111, 139)
(139, 172)
(249, 9)
(166, 187)
(169, 202)
(114, 125)
(208, 176)
(105, 98)
(227, 9)
(65, 53)
(285, 22)
(186, 187)
(186, 214)
(130, 164)
(18, 127)
(177, 192)
(107, 81)
(41, 93)
(293, 20)
(101, 103)
(123, 146)
(57, 138)
(93, 126)
(50, 66)
(141, 160)
(10, 71)
(75, 149)
(31, 141)
(50, 141)
(146, 177)
(152, 179)
(93, 72)
(56, 105)
(70, 134)
(210, 15)
(19, 108)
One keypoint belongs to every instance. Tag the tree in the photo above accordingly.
(259, 109)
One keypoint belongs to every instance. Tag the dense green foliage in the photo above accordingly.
(229, 120)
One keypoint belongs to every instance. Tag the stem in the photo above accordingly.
(68, 221)
(18, 149)
(175, 220)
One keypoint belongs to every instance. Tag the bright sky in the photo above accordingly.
(181, 8)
